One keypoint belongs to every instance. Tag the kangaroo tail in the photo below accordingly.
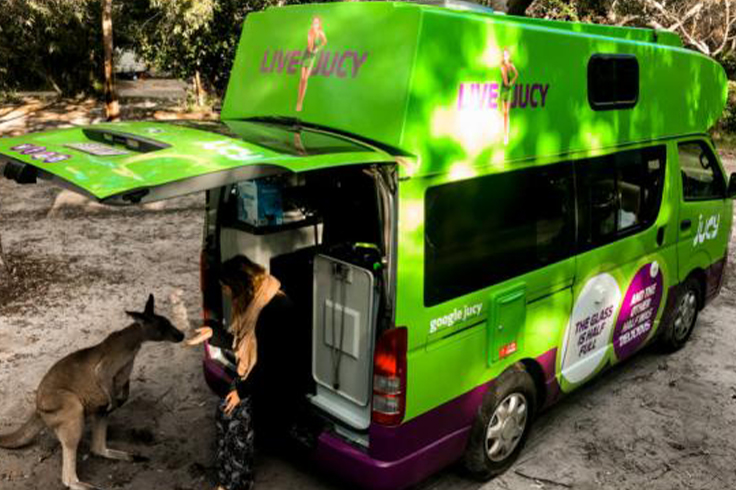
(24, 435)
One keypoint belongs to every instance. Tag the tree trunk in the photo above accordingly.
(198, 89)
(112, 108)
(92, 75)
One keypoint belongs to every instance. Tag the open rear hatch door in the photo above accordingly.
(139, 162)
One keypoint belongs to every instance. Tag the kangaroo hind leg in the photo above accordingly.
(67, 422)
(99, 442)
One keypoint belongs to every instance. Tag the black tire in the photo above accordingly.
(679, 328)
(516, 383)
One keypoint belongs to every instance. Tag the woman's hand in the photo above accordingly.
(231, 402)
(203, 334)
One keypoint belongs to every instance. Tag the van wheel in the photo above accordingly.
(502, 424)
(677, 332)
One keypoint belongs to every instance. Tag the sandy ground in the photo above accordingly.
(143, 99)
(657, 422)
(78, 268)
(142, 88)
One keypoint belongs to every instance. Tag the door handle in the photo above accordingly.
(685, 224)
(660, 235)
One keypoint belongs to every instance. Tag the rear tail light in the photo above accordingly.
(389, 377)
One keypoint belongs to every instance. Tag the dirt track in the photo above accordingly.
(656, 422)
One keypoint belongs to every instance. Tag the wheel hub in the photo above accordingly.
(510, 430)
(506, 427)
(686, 310)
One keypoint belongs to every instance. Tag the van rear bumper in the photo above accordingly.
(354, 465)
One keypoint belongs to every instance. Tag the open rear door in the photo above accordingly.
(139, 162)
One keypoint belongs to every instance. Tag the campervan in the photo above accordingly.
(474, 214)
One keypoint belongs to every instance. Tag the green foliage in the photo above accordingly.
(9, 97)
(57, 44)
(728, 61)
(49, 44)
(190, 102)
(555, 9)
(727, 123)
(576, 10)
(185, 36)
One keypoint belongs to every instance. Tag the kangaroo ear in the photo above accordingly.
(149, 306)
(139, 317)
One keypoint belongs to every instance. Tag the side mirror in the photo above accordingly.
(732, 186)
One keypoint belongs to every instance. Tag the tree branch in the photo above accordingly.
(679, 24)
(626, 20)
(696, 9)
(726, 29)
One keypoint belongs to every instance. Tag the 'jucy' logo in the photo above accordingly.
(336, 63)
(476, 95)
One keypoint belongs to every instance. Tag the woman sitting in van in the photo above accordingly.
(255, 296)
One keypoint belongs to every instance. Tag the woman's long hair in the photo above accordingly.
(252, 289)
(243, 277)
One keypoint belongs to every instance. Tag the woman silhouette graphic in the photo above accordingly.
(507, 92)
(316, 40)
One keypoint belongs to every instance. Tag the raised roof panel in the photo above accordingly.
(358, 75)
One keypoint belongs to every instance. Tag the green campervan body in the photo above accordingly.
(473, 214)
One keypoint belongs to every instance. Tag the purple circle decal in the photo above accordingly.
(638, 310)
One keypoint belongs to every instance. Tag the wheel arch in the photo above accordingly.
(537, 373)
(524, 375)
(699, 275)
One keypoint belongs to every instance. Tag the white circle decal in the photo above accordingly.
(586, 338)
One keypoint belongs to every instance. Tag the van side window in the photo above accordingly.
(619, 194)
(485, 230)
(701, 176)
(613, 82)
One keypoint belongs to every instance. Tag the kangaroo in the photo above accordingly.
(91, 383)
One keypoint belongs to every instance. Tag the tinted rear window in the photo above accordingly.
(485, 230)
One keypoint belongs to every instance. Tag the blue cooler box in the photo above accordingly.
(260, 203)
